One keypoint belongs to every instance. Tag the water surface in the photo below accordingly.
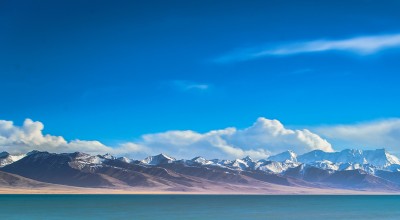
(168, 207)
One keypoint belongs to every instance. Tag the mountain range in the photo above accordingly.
(356, 170)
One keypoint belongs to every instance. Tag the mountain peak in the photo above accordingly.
(124, 159)
(247, 159)
(158, 159)
(162, 155)
(35, 152)
(198, 157)
(108, 156)
(6, 158)
(284, 156)
(239, 164)
(4, 154)
(201, 160)
(79, 154)
(379, 158)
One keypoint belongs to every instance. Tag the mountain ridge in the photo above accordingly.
(347, 169)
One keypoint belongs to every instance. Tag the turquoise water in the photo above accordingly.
(198, 207)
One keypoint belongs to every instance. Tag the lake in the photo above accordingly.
(167, 207)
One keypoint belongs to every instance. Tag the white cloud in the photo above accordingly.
(263, 138)
(29, 136)
(363, 45)
(368, 135)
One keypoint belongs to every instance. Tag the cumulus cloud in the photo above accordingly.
(363, 45)
(263, 138)
(369, 135)
(29, 136)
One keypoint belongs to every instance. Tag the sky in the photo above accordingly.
(217, 78)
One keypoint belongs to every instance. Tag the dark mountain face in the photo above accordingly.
(358, 179)
(390, 176)
(150, 174)
(4, 155)
(269, 178)
(83, 170)
(350, 179)
(54, 168)
(204, 172)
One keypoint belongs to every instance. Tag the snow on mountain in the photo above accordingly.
(270, 166)
(274, 166)
(284, 156)
(125, 159)
(379, 158)
(88, 159)
(107, 156)
(201, 161)
(356, 166)
(350, 166)
(6, 158)
(248, 159)
(219, 162)
(238, 164)
(250, 162)
(316, 155)
(158, 159)
(325, 164)
(393, 168)
(368, 160)
(82, 161)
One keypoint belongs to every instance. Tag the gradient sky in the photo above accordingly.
(114, 70)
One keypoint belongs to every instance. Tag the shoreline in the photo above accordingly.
(95, 191)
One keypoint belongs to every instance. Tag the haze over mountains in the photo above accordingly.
(369, 170)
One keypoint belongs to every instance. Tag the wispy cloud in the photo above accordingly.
(362, 45)
(189, 85)
(370, 135)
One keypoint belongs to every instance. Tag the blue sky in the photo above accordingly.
(115, 70)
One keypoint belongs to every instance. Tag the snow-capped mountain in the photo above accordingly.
(274, 166)
(201, 161)
(82, 161)
(325, 164)
(6, 158)
(284, 156)
(125, 159)
(238, 164)
(367, 160)
(158, 159)
(222, 163)
(379, 158)
(345, 169)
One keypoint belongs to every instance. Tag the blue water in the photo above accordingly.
(198, 207)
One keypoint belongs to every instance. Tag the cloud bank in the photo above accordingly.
(367, 135)
(363, 45)
(29, 136)
(263, 138)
